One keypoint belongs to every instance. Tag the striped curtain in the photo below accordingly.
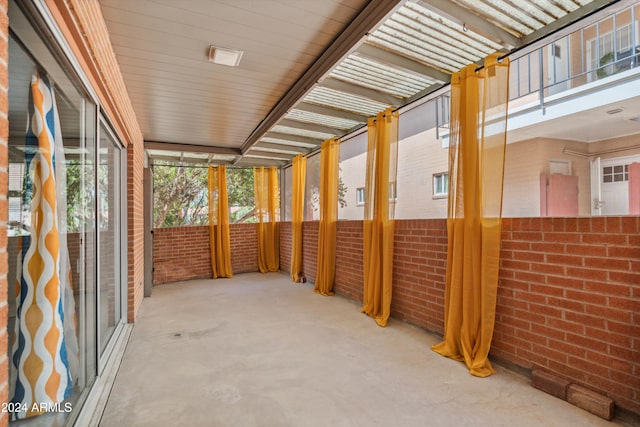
(44, 352)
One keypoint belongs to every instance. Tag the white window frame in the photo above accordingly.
(606, 45)
(440, 185)
(360, 195)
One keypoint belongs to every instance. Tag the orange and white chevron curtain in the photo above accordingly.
(44, 353)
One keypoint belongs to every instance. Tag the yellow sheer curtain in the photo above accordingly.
(476, 168)
(382, 160)
(326, 263)
(298, 174)
(219, 223)
(267, 201)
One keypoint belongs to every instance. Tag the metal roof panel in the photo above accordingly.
(344, 101)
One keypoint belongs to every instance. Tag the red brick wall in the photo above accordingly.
(569, 301)
(348, 280)
(309, 250)
(182, 253)
(568, 298)
(4, 213)
(349, 253)
(420, 265)
(285, 246)
(135, 232)
(244, 248)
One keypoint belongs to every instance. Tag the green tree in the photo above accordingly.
(240, 193)
(80, 195)
(179, 195)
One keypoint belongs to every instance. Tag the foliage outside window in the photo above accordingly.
(180, 195)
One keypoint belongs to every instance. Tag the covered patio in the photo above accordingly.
(321, 139)
(262, 351)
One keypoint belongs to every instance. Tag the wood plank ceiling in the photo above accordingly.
(310, 69)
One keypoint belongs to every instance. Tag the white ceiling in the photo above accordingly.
(180, 97)
(309, 69)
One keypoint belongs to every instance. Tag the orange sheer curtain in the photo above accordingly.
(298, 174)
(326, 264)
(267, 201)
(219, 223)
(476, 167)
(382, 155)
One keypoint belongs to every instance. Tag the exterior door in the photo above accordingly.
(614, 182)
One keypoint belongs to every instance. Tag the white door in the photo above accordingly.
(614, 181)
(558, 66)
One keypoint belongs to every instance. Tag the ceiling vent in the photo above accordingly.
(223, 56)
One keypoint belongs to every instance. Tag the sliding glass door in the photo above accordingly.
(66, 231)
(110, 246)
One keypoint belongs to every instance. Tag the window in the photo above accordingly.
(617, 173)
(441, 185)
(602, 57)
(72, 114)
(16, 172)
(360, 196)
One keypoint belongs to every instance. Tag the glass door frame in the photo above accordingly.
(121, 246)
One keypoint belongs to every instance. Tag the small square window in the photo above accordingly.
(440, 185)
(616, 173)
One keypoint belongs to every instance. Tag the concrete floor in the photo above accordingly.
(258, 350)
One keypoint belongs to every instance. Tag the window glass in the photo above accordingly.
(353, 166)
(287, 193)
(360, 196)
(441, 184)
(422, 152)
(109, 214)
(46, 172)
(312, 189)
